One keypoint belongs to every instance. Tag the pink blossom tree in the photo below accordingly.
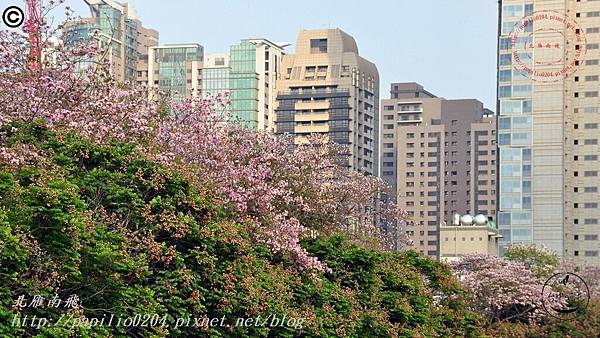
(281, 195)
(503, 290)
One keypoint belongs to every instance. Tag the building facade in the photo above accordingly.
(327, 88)
(548, 126)
(254, 68)
(439, 156)
(457, 241)
(176, 70)
(215, 75)
(116, 27)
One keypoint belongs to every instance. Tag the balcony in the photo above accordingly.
(312, 105)
(412, 120)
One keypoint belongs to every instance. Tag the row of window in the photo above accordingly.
(587, 253)
(590, 173)
(587, 221)
(587, 94)
(463, 239)
(587, 142)
(591, 205)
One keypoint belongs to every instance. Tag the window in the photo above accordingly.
(318, 46)
(521, 90)
(528, 9)
(508, 26)
(504, 123)
(505, 43)
(505, 75)
(514, 10)
(591, 237)
(592, 30)
(504, 91)
(591, 125)
(504, 139)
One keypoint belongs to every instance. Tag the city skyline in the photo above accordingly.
(533, 207)
(404, 49)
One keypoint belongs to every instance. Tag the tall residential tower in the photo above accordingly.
(439, 156)
(548, 126)
(118, 28)
(326, 87)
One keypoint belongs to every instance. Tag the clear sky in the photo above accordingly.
(449, 46)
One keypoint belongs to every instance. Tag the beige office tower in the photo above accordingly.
(148, 38)
(118, 29)
(327, 88)
(548, 126)
(439, 155)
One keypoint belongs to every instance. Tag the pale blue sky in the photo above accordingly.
(449, 46)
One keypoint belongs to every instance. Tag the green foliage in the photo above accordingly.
(542, 262)
(131, 238)
(585, 324)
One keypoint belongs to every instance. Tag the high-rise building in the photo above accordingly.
(548, 126)
(439, 156)
(176, 69)
(215, 75)
(120, 31)
(327, 88)
(254, 66)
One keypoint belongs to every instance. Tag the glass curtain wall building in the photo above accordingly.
(243, 83)
(515, 140)
(548, 126)
(254, 70)
(118, 28)
(176, 70)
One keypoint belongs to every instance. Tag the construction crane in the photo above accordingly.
(34, 28)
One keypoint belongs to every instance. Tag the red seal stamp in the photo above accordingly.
(547, 46)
